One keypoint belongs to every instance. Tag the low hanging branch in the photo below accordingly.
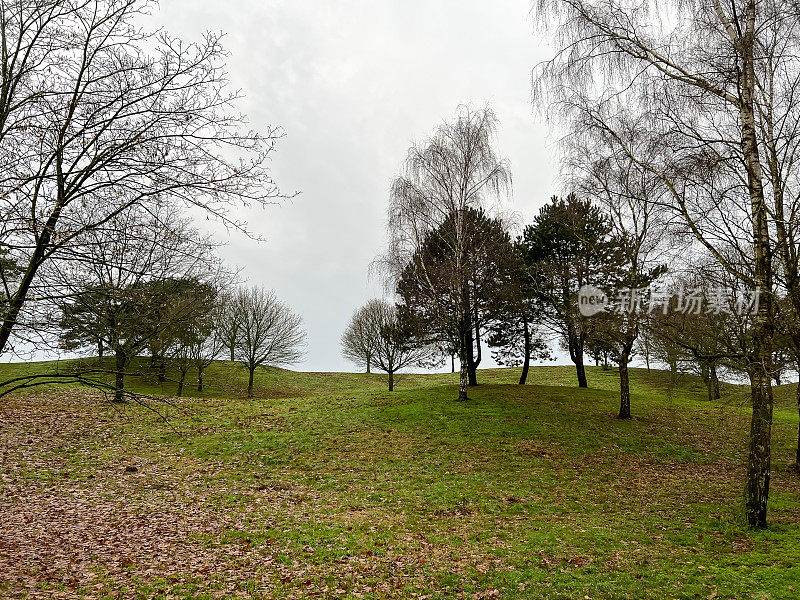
(89, 378)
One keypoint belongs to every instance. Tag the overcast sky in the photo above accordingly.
(353, 84)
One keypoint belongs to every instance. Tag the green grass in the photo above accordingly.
(327, 485)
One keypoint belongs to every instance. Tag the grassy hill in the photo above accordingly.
(327, 485)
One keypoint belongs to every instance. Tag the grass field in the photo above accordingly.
(328, 486)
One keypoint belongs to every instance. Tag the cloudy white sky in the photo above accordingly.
(353, 83)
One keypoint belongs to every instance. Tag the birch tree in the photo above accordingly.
(453, 172)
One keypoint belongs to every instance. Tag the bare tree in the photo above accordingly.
(360, 339)
(269, 332)
(380, 335)
(708, 334)
(778, 127)
(454, 172)
(97, 116)
(630, 196)
(397, 346)
(181, 358)
(198, 343)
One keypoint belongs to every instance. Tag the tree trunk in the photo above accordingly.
(464, 345)
(119, 386)
(200, 379)
(758, 464)
(576, 355)
(250, 383)
(478, 355)
(715, 382)
(463, 379)
(452, 363)
(179, 393)
(706, 374)
(472, 376)
(527, 358)
(100, 350)
(391, 381)
(581, 370)
(472, 365)
(797, 459)
(162, 369)
(369, 358)
(233, 359)
(624, 384)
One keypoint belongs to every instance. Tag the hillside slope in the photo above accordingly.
(327, 485)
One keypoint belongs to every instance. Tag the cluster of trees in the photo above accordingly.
(154, 288)
(635, 206)
(462, 278)
(702, 110)
(109, 132)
